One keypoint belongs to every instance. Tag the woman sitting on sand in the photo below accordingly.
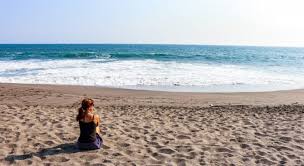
(88, 123)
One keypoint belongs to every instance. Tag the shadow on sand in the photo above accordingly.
(60, 149)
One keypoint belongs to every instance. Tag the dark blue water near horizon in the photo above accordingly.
(200, 53)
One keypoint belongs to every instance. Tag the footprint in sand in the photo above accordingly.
(245, 159)
(105, 153)
(2, 139)
(60, 135)
(129, 152)
(59, 126)
(180, 162)
(183, 137)
(153, 138)
(12, 145)
(166, 151)
(117, 154)
(105, 147)
(31, 125)
(38, 145)
(299, 140)
(49, 142)
(158, 156)
(202, 162)
(59, 159)
(124, 145)
(292, 156)
(261, 153)
(299, 147)
(165, 142)
(259, 145)
(97, 164)
(155, 144)
(107, 161)
(146, 127)
(184, 148)
(192, 155)
(224, 150)
(90, 157)
(245, 146)
(280, 148)
(285, 139)
(264, 161)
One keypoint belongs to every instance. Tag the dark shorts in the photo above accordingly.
(91, 145)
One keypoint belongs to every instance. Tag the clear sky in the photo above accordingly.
(224, 22)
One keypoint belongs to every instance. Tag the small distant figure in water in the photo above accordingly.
(89, 138)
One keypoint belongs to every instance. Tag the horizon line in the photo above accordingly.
(181, 44)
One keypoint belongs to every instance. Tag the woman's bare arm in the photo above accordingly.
(97, 122)
(97, 119)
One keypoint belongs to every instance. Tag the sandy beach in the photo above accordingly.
(38, 127)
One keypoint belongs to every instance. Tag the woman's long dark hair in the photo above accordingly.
(83, 110)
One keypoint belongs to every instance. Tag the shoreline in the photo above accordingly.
(121, 95)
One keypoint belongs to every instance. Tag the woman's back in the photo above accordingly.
(87, 131)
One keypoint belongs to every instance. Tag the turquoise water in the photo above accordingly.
(157, 67)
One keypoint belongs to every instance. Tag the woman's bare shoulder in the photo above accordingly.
(96, 118)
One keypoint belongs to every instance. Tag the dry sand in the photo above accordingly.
(38, 127)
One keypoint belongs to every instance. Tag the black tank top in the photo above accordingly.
(87, 131)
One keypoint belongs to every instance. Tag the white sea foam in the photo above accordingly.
(145, 73)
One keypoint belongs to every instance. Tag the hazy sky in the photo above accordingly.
(228, 22)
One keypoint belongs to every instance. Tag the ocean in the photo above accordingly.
(193, 68)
